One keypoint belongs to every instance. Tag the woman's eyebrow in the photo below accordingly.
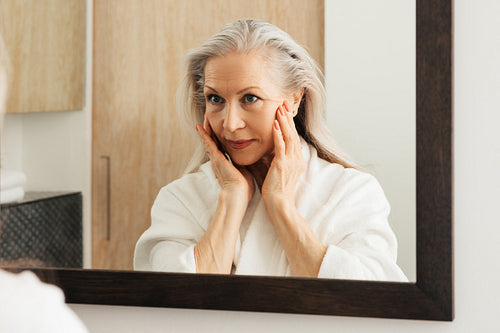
(211, 88)
(238, 92)
(248, 88)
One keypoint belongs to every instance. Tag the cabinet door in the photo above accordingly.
(46, 43)
(139, 49)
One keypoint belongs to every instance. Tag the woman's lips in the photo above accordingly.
(239, 144)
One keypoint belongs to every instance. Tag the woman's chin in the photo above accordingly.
(249, 160)
(242, 162)
(242, 159)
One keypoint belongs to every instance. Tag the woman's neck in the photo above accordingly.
(259, 169)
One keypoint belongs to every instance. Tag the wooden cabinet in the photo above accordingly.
(139, 49)
(46, 43)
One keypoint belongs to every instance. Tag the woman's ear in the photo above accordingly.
(296, 99)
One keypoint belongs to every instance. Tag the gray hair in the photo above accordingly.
(297, 70)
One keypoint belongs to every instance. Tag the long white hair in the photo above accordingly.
(297, 70)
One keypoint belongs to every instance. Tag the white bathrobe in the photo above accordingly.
(346, 209)
(29, 305)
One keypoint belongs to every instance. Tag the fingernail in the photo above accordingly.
(282, 111)
(276, 125)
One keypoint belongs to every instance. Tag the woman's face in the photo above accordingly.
(241, 103)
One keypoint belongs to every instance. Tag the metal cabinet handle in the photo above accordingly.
(107, 161)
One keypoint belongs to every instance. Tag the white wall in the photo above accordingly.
(370, 82)
(476, 218)
(12, 142)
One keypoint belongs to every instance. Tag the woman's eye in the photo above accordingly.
(251, 98)
(215, 99)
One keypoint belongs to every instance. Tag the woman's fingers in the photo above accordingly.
(287, 126)
(292, 122)
(284, 126)
(206, 126)
(208, 142)
(205, 137)
(212, 135)
(279, 144)
(289, 113)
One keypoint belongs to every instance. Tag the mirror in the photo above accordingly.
(429, 298)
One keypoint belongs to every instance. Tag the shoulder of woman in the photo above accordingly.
(195, 191)
(335, 179)
(25, 296)
(27, 282)
(202, 180)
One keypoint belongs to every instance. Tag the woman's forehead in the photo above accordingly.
(236, 71)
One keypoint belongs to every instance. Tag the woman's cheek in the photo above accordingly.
(210, 117)
(214, 122)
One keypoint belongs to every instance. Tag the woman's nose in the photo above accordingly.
(233, 118)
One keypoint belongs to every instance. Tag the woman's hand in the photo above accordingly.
(303, 250)
(235, 180)
(288, 163)
(215, 251)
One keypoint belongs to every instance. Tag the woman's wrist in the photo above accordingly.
(276, 200)
(303, 249)
(236, 195)
(214, 252)
(280, 208)
(231, 208)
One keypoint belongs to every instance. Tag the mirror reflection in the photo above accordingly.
(276, 197)
(137, 147)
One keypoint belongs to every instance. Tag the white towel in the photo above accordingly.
(10, 179)
(11, 195)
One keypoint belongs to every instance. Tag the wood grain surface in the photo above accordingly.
(46, 43)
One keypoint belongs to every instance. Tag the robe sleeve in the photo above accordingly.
(355, 228)
(168, 245)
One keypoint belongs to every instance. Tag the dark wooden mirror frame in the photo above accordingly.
(430, 298)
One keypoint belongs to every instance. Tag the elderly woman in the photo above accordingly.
(268, 192)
